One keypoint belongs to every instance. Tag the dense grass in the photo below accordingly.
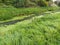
(6, 13)
(10, 12)
(41, 31)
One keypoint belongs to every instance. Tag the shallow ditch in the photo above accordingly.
(26, 18)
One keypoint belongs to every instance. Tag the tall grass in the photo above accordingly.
(8, 13)
(41, 31)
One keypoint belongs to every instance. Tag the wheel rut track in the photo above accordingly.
(15, 21)
(19, 20)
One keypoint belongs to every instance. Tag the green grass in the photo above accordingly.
(14, 18)
(10, 12)
(41, 31)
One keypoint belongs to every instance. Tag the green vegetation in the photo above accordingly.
(16, 8)
(41, 31)
(8, 13)
(25, 3)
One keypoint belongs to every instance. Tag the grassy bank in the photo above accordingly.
(41, 31)
(9, 13)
